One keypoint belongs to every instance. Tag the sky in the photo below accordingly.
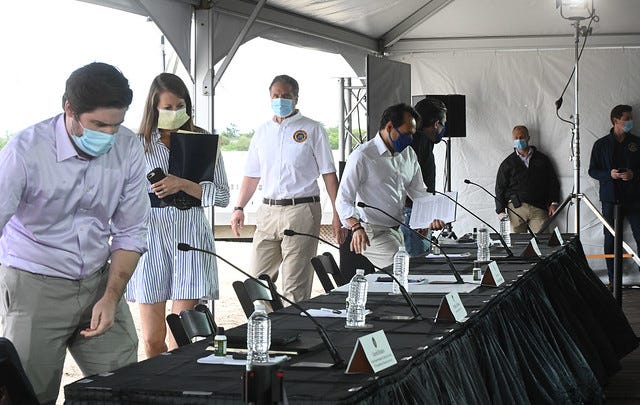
(43, 43)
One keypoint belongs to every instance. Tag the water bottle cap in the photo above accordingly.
(259, 307)
(360, 272)
(220, 330)
(401, 249)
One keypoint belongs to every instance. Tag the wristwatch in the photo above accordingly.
(238, 208)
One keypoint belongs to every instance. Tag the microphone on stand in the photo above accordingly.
(467, 181)
(459, 279)
(504, 243)
(414, 309)
(337, 360)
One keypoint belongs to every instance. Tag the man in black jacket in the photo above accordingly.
(527, 183)
(615, 163)
(433, 119)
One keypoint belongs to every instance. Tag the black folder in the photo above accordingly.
(193, 157)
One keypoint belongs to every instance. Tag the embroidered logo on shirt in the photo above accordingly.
(300, 136)
(633, 147)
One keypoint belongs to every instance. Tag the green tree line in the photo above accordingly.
(232, 139)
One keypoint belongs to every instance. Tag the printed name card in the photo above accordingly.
(371, 354)
(492, 275)
(451, 309)
(532, 249)
(556, 238)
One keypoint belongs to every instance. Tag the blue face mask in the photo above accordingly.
(441, 134)
(93, 143)
(282, 107)
(400, 143)
(520, 144)
(627, 125)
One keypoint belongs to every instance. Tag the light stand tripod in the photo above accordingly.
(576, 196)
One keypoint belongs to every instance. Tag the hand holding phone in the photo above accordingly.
(156, 175)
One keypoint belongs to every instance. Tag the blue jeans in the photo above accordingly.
(415, 246)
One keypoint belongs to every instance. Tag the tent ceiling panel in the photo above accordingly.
(369, 17)
(298, 23)
(489, 18)
(401, 26)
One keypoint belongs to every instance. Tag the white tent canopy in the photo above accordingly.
(356, 27)
(511, 58)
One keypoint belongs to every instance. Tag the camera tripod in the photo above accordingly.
(585, 199)
(576, 196)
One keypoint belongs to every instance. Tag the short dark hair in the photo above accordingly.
(286, 80)
(395, 114)
(431, 110)
(97, 85)
(619, 110)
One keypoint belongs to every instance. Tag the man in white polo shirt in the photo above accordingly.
(289, 153)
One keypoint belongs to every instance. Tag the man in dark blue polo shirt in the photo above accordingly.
(615, 163)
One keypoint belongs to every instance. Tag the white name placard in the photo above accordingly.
(451, 309)
(371, 354)
(492, 275)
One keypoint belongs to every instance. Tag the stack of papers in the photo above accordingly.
(228, 360)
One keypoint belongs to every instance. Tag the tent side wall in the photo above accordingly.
(508, 88)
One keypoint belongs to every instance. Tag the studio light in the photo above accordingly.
(575, 9)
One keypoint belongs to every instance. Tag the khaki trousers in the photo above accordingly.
(535, 217)
(272, 251)
(43, 316)
(384, 243)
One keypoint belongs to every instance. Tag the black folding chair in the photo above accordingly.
(14, 383)
(197, 322)
(324, 265)
(249, 291)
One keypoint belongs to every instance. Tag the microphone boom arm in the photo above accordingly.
(504, 243)
(457, 276)
(414, 309)
(337, 359)
(467, 181)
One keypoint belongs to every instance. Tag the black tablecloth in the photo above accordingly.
(551, 334)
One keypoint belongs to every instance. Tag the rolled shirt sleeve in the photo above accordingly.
(129, 223)
(216, 192)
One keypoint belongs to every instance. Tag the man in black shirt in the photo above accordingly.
(527, 183)
(433, 114)
(615, 163)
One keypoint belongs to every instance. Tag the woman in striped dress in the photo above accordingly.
(164, 273)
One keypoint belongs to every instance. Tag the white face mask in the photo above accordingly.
(170, 119)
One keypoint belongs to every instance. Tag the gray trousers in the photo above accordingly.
(43, 315)
(384, 243)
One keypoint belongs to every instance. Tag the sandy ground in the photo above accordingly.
(228, 312)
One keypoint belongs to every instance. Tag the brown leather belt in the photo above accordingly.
(291, 201)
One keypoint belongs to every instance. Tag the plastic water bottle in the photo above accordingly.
(505, 228)
(400, 270)
(356, 300)
(483, 245)
(258, 336)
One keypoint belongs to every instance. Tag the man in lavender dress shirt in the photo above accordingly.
(73, 217)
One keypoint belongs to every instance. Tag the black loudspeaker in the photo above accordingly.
(456, 112)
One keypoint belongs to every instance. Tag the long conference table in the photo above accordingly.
(552, 333)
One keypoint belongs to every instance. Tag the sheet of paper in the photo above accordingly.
(329, 313)
(430, 207)
(420, 288)
(228, 360)
(451, 255)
